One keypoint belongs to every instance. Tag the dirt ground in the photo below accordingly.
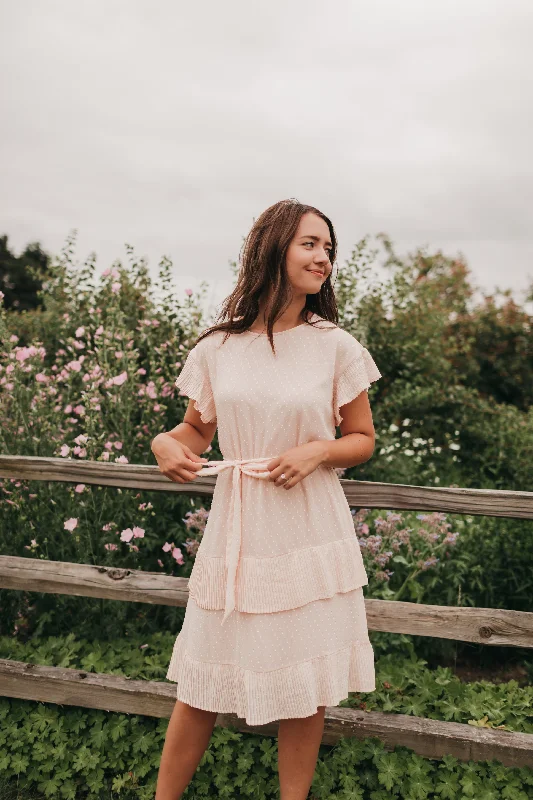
(497, 673)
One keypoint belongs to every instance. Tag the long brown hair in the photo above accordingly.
(262, 273)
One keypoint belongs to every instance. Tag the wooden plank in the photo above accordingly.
(482, 625)
(86, 580)
(427, 737)
(361, 494)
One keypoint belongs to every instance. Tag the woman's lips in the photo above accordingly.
(316, 272)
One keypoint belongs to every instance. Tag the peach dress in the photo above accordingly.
(275, 623)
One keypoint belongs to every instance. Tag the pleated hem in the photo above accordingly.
(281, 583)
(260, 697)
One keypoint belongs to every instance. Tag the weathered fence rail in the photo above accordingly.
(430, 738)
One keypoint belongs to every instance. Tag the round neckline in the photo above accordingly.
(279, 333)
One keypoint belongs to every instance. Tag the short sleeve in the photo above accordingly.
(194, 382)
(355, 370)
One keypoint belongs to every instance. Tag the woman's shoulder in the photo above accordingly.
(346, 346)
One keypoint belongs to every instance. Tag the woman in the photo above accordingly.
(275, 625)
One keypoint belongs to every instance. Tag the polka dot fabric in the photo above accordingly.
(295, 634)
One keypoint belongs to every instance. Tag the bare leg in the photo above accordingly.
(298, 745)
(188, 734)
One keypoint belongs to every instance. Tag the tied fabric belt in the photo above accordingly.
(255, 468)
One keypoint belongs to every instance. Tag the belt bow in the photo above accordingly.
(255, 468)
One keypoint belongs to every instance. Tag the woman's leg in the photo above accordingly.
(188, 734)
(298, 745)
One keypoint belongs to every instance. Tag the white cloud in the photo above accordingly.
(172, 126)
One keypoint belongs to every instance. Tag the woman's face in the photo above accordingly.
(308, 264)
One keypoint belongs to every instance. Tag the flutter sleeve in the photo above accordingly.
(194, 382)
(355, 370)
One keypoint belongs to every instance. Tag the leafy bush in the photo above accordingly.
(405, 685)
(73, 754)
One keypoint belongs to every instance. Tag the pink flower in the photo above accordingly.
(166, 547)
(134, 547)
(74, 365)
(80, 331)
(178, 555)
(115, 287)
(70, 524)
(121, 460)
(138, 533)
(118, 353)
(105, 272)
(65, 450)
(79, 488)
(126, 535)
(41, 378)
(188, 292)
(118, 380)
(118, 445)
(111, 546)
(107, 526)
(160, 562)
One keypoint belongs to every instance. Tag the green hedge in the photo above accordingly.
(404, 684)
(77, 753)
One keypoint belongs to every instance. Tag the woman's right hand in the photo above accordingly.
(175, 460)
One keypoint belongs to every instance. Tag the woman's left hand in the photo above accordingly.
(296, 463)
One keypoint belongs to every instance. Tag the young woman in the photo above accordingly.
(275, 625)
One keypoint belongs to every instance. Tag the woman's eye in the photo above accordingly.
(328, 249)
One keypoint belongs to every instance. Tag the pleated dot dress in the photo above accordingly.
(275, 622)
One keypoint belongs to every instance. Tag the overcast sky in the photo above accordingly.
(171, 126)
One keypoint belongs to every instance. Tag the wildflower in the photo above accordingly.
(122, 460)
(118, 445)
(107, 526)
(111, 546)
(118, 380)
(138, 533)
(160, 562)
(75, 366)
(178, 555)
(115, 287)
(126, 535)
(65, 450)
(188, 292)
(70, 524)
(166, 547)
(79, 488)
(80, 331)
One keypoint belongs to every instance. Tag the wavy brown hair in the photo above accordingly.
(262, 273)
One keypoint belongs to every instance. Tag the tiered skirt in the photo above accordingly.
(273, 665)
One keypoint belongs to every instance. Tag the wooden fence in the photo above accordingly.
(430, 738)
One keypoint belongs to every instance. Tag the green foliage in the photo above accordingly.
(404, 683)
(52, 752)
